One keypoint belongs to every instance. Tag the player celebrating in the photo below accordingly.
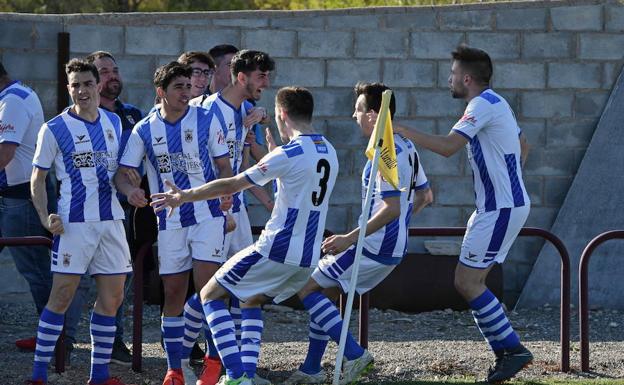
(493, 140)
(384, 246)
(82, 144)
(180, 143)
(280, 262)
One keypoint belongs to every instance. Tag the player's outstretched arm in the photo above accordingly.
(440, 144)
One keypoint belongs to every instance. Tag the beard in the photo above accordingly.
(112, 90)
(251, 92)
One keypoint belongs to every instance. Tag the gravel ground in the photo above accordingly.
(433, 345)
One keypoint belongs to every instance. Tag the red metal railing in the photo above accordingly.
(59, 365)
(584, 294)
(137, 311)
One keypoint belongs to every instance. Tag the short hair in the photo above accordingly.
(297, 101)
(196, 56)
(165, 74)
(81, 65)
(3, 71)
(218, 51)
(474, 61)
(372, 96)
(247, 61)
(93, 56)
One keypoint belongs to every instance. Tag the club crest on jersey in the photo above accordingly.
(188, 136)
(66, 259)
(109, 135)
(131, 119)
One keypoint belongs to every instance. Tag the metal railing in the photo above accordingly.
(584, 292)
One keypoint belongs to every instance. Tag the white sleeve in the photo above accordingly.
(46, 150)
(477, 115)
(271, 166)
(14, 120)
(216, 140)
(134, 151)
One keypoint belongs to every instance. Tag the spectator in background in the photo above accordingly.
(203, 70)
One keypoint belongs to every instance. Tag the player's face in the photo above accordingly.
(456, 81)
(178, 93)
(200, 79)
(222, 76)
(257, 81)
(362, 117)
(110, 78)
(83, 90)
(281, 126)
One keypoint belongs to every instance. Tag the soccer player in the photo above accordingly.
(280, 262)
(82, 145)
(181, 143)
(384, 246)
(493, 140)
(203, 70)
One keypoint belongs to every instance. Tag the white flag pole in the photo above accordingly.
(380, 125)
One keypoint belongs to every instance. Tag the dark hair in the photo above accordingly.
(218, 51)
(297, 101)
(165, 74)
(247, 61)
(475, 62)
(93, 56)
(81, 65)
(372, 96)
(196, 56)
(3, 71)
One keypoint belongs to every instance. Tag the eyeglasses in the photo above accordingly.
(199, 72)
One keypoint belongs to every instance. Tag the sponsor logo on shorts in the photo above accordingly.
(217, 253)
(66, 259)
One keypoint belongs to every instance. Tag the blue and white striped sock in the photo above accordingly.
(316, 348)
(173, 334)
(193, 323)
(48, 332)
(251, 338)
(235, 311)
(102, 337)
(211, 349)
(493, 323)
(324, 314)
(221, 325)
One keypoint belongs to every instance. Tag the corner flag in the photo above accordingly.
(387, 158)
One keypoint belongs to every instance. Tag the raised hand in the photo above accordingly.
(255, 115)
(269, 139)
(171, 199)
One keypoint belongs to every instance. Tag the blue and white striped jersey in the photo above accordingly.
(21, 117)
(494, 152)
(84, 156)
(231, 121)
(305, 170)
(389, 244)
(181, 152)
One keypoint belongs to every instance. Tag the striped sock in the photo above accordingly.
(325, 315)
(102, 337)
(316, 348)
(493, 323)
(235, 311)
(221, 325)
(173, 334)
(211, 349)
(251, 337)
(48, 332)
(193, 321)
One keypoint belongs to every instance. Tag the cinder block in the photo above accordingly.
(444, 71)
(141, 96)
(250, 22)
(302, 22)
(519, 75)
(435, 103)
(423, 125)
(445, 124)
(480, 20)
(555, 190)
(199, 39)
(550, 162)
(434, 45)
(377, 44)
(611, 73)
(258, 215)
(549, 104)
(347, 190)
(535, 188)
(300, 72)
(345, 161)
(268, 102)
(523, 254)
(346, 134)
(161, 41)
(590, 104)
(434, 216)
(580, 18)
(614, 15)
(523, 19)
(46, 35)
(15, 34)
(137, 69)
(437, 165)
(498, 45)
(275, 43)
(402, 98)
(330, 44)
(368, 22)
(345, 73)
(601, 46)
(511, 97)
(574, 75)
(409, 73)
(534, 130)
(32, 67)
(547, 45)
(89, 38)
(542, 217)
(338, 221)
(416, 19)
(162, 60)
(46, 91)
(454, 191)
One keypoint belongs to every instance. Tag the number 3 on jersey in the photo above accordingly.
(322, 167)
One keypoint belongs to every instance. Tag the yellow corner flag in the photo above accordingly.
(383, 138)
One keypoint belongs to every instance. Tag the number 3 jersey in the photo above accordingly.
(305, 170)
(84, 155)
(388, 244)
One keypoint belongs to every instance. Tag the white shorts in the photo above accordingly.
(93, 247)
(241, 237)
(202, 241)
(489, 236)
(248, 274)
(335, 270)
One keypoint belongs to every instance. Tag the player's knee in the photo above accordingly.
(60, 299)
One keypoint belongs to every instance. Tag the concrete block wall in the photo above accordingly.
(555, 62)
